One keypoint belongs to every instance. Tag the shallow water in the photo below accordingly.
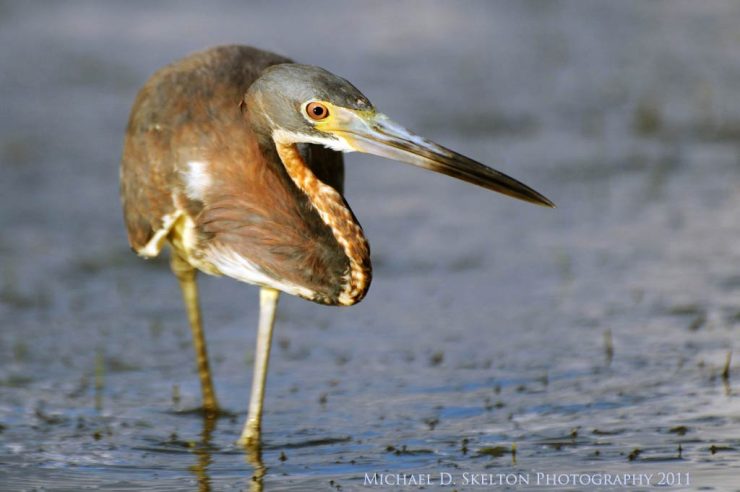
(591, 339)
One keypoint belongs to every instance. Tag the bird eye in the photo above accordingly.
(317, 111)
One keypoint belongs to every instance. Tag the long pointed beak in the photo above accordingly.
(375, 133)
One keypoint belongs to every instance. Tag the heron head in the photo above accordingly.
(306, 104)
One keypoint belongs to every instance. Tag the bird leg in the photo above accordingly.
(186, 276)
(250, 437)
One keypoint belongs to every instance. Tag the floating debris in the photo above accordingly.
(714, 449)
(608, 346)
(697, 322)
(47, 418)
(647, 119)
(176, 395)
(99, 379)
(404, 450)
(681, 430)
(726, 370)
(436, 359)
(493, 451)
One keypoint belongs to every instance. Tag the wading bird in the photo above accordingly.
(233, 156)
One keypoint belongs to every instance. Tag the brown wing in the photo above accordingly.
(190, 112)
(254, 210)
(163, 134)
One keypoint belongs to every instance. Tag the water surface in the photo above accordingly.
(591, 339)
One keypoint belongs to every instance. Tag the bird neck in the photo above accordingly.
(336, 214)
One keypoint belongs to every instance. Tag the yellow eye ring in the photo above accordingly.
(317, 111)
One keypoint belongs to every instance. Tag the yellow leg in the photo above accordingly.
(186, 276)
(250, 437)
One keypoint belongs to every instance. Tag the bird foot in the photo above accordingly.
(251, 438)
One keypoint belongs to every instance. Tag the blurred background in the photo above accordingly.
(596, 337)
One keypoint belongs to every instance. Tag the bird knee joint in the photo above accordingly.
(181, 268)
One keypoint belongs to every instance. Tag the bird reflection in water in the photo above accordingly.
(204, 449)
(204, 453)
